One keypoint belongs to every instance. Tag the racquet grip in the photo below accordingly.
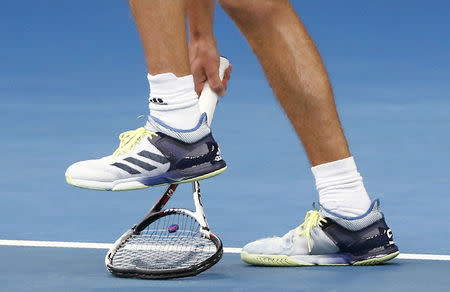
(208, 98)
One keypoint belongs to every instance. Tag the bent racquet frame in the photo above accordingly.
(154, 214)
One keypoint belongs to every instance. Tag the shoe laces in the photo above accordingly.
(312, 219)
(130, 138)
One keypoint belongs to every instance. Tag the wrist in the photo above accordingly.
(201, 36)
(202, 46)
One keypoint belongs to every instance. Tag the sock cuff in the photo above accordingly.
(341, 188)
(343, 167)
(168, 84)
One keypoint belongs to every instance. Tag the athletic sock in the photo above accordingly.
(174, 108)
(341, 188)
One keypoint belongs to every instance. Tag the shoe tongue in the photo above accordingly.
(150, 126)
(375, 204)
(324, 213)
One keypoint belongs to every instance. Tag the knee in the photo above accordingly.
(252, 8)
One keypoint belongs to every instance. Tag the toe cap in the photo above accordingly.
(273, 245)
(90, 170)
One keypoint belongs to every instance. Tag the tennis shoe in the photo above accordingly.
(325, 238)
(146, 158)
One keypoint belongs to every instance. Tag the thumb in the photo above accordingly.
(215, 83)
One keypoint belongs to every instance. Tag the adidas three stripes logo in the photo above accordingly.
(142, 164)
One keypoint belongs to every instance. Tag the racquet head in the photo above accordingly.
(166, 244)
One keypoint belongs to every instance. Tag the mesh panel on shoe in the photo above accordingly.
(355, 224)
(185, 136)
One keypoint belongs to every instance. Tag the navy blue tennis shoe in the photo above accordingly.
(325, 238)
(146, 158)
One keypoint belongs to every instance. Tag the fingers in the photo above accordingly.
(212, 74)
(199, 80)
(226, 77)
(217, 85)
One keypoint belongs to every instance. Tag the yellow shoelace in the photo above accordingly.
(312, 219)
(130, 138)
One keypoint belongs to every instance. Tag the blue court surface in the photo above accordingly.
(68, 88)
(266, 191)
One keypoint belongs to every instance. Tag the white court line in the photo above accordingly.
(94, 245)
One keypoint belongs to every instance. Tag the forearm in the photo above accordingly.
(201, 18)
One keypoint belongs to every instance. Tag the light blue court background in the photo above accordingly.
(72, 77)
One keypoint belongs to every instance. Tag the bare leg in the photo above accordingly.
(299, 79)
(162, 27)
(173, 102)
(295, 72)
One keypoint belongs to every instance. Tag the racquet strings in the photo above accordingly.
(159, 247)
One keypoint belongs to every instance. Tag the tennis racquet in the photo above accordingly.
(169, 243)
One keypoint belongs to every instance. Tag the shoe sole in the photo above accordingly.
(132, 183)
(312, 260)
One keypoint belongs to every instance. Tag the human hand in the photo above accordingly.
(204, 59)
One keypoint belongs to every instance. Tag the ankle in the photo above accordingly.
(174, 108)
(341, 188)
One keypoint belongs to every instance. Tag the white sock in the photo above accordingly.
(341, 188)
(174, 108)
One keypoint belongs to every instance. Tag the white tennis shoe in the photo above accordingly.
(325, 238)
(146, 159)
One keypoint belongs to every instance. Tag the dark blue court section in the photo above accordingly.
(56, 269)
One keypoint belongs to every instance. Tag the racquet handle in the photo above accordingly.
(208, 98)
